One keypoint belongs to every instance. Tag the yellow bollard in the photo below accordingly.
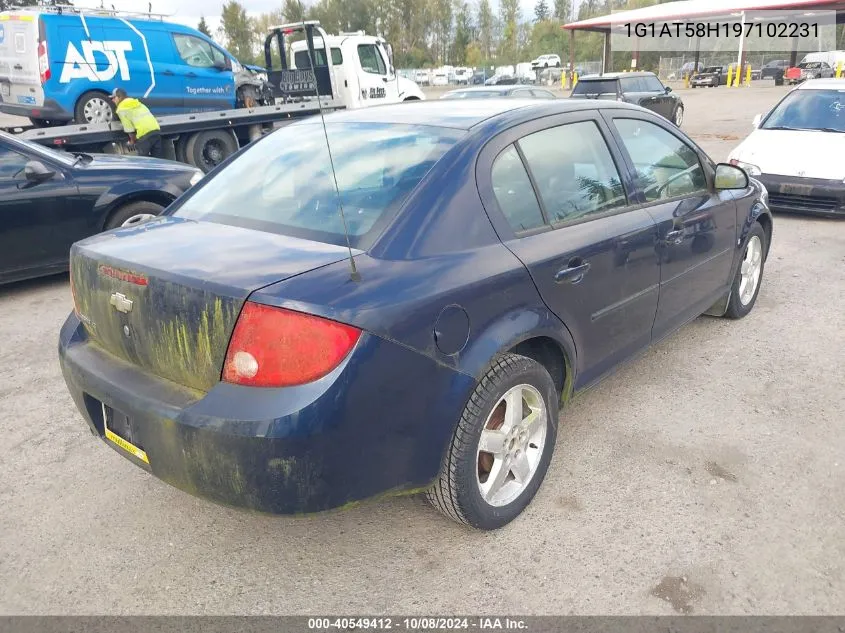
(730, 76)
(574, 79)
(839, 70)
(686, 80)
(748, 75)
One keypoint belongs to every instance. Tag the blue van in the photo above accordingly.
(60, 66)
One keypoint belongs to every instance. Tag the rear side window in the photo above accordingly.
(574, 171)
(514, 193)
(595, 87)
(666, 166)
(631, 84)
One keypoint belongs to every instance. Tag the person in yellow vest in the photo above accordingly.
(139, 123)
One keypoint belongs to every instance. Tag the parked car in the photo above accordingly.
(791, 150)
(68, 61)
(440, 78)
(232, 349)
(771, 69)
(422, 77)
(462, 76)
(478, 78)
(641, 88)
(503, 80)
(51, 199)
(809, 70)
(546, 61)
(551, 76)
(488, 92)
(711, 77)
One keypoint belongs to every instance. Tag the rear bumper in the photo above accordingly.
(814, 196)
(49, 110)
(379, 423)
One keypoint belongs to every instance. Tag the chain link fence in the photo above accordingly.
(674, 68)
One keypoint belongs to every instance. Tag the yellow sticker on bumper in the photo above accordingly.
(127, 446)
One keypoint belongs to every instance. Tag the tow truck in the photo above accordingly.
(355, 74)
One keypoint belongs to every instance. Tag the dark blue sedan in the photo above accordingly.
(497, 256)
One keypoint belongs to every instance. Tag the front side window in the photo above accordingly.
(197, 52)
(514, 193)
(574, 171)
(11, 164)
(666, 166)
(286, 183)
(371, 61)
(652, 84)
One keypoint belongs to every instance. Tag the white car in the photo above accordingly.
(797, 150)
(546, 61)
(422, 77)
(463, 75)
(440, 78)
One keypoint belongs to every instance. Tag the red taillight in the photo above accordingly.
(274, 347)
(43, 62)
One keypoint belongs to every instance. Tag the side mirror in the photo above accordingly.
(730, 177)
(668, 89)
(758, 119)
(37, 172)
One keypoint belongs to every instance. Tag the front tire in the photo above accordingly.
(502, 446)
(133, 214)
(678, 117)
(749, 276)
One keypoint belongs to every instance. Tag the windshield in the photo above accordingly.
(44, 152)
(601, 87)
(810, 65)
(810, 110)
(283, 183)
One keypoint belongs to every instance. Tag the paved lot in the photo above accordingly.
(705, 477)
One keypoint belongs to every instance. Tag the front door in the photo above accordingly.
(28, 210)
(374, 78)
(208, 80)
(568, 218)
(697, 225)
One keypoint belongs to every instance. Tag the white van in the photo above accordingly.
(831, 57)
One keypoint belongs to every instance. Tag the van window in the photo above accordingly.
(371, 61)
(197, 52)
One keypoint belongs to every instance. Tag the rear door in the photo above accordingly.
(20, 80)
(697, 225)
(558, 200)
(634, 91)
(206, 71)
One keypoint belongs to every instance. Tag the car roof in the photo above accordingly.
(615, 76)
(503, 88)
(464, 115)
(822, 84)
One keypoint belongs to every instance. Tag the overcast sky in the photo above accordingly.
(189, 11)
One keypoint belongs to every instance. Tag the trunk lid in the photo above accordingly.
(166, 295)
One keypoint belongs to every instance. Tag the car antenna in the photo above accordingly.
(354, 274)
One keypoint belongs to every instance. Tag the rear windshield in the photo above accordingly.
(595, 87)
(284, 183)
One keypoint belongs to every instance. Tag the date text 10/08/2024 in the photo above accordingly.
(417, 624)
(714, 29)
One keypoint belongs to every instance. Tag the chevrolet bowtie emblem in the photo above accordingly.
(121, 303)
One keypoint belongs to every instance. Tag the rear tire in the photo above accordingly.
(749, 276)
(94, 107)
(133, 213)
(525, 444)
(206, 150)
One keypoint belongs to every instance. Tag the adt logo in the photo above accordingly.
(84, 65)
(2, 33)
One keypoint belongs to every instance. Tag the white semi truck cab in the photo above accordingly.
(358, 71)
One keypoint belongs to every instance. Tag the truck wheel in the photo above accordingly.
(180, 147)
(133, 213)
(93, 107)
(206, 150)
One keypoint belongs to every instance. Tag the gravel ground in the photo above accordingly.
(704, 477)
